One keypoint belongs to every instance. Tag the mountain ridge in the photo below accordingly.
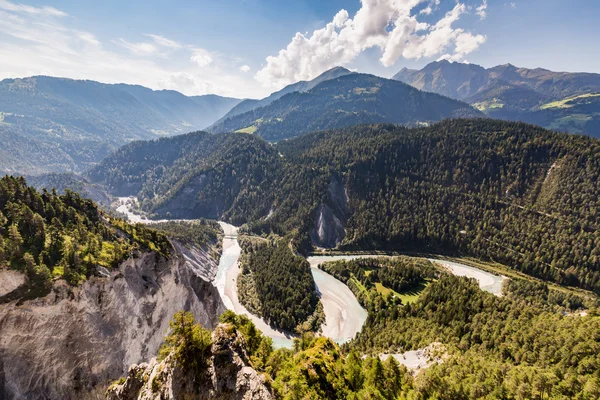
(64, 125)
(300, 86)
(350, 99)
(514, 93)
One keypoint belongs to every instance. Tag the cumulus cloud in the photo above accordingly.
(201, 57)
(389, 25)
(482, 10)
(245, 68)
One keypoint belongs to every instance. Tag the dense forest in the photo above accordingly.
(506, 347)
(371, 279)
(521, 195)
(345, 101)
(195, 175)
(197, 232)
(49, 236)
(493, 348)
(277, 285)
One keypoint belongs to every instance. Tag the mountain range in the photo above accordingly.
(57, 125)
(560, 101)
(346, 100)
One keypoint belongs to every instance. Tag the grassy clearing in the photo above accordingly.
(489, 105)
(564, 103)
(406, 297)
(249, 129)
(358, 284)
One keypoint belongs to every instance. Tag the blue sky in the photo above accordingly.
(249, 48)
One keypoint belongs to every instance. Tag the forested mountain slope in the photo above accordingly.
(561, 101)
(192, 175)
(302, 86)
(348, 100)
(513, 192)
(54, 125)
(47, 236)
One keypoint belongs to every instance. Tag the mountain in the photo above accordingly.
(511, 192)
(561, 101)
(344, 101)
(301, 86)
(62, 125)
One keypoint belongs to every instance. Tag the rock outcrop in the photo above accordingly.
(73, 342)
(227, 375)
(329, 229)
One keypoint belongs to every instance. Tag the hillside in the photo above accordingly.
(517, 94)
(48, 237)
(62, 125)
(347, 100)
(511, 192)
(194, 175)
(302, 86)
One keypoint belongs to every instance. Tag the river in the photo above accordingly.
(487, 281)
(344, 316)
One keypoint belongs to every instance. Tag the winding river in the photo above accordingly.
(344, 316)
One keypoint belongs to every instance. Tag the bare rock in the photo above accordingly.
(73, 342)
(228, 375)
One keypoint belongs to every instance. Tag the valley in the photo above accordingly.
(267, 200)
(344, 315)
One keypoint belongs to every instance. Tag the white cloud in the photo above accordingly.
(465, 44)
(141, 48)
(426, 11)
(22, 8)
(39, 43)
(88, 38)
(430, 8)
(387, 24)
(164, 42)
(186, 83)
(201, 57)
(482, 10)
(245, 68)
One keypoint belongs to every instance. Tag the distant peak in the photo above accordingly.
(336, 70)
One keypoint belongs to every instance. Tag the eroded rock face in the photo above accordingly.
(329, 230)
(227, 376)
(73, 342)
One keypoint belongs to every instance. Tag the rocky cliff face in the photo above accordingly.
(227, 376)
(71, 343)
(329, 229)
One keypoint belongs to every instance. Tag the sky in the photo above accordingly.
(250, 48)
